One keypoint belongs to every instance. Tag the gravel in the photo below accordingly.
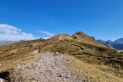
(48, 68)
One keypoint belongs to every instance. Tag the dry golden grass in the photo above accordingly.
(91, 71)
(12, 64)
(18, 53)
(82, 50)
(80, 36)
(87, 52)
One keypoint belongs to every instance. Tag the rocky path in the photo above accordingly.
(48, 68)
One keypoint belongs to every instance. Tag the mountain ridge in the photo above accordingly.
(79, 50)
(117, 44)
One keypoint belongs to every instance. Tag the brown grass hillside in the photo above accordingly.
(15, 53)
(79, 46)
(87, 49)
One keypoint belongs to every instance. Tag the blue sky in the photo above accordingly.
(30, 19)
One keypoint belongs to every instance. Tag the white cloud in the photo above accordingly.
(47, 33)
(4, 28)
(8, 32)
(45, 37)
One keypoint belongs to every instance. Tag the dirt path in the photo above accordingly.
(48, 68)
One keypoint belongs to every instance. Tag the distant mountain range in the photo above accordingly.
(119, 40)
(6, 42)
(117, 44)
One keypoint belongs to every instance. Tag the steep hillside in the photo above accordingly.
(82, 56)
(52, 67)
(12, 54)
(80, 36)
(88, 50)
(6, 42)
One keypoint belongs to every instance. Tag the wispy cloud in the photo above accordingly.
(47, 33)
(9, 32)
(45, 37)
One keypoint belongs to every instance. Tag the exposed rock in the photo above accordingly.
(48, 68)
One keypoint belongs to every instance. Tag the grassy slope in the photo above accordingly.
(81, 47)
(93, 72)
(98, 63)
(18, 53)
(88, 53)
(104, 60)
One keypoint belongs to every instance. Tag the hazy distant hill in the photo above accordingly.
(119, 40)
(117, 44)
(6, 42)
